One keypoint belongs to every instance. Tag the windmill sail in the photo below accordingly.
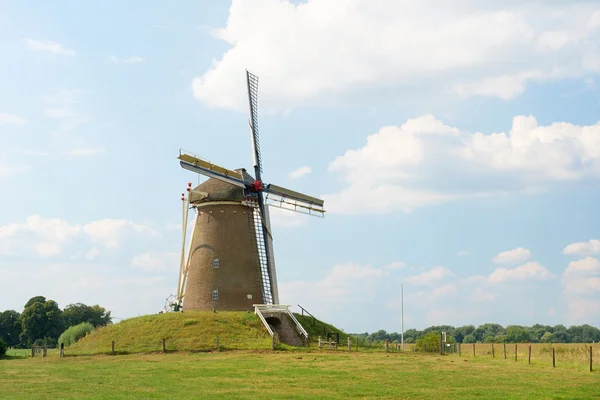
(287, 199)
(252, 82)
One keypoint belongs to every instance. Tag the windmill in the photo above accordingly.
(229, 263)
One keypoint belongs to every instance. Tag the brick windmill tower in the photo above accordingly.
(229, 262)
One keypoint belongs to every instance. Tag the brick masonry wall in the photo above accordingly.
(224, 231)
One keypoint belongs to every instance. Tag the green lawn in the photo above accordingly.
(292, 375)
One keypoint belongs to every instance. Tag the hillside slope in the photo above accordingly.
(189, 331)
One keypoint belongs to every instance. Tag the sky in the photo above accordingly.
(456, 147)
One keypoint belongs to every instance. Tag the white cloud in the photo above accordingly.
(529, 271)
(128, 60)
(344, 284)
(335, 51)
(581, 286)
(153, 261)
(462, 253)
(85, 151)
(396, 265)
(445, 291)
(583, 248)
(430, 277)
(513, 256)
(109, 233)
(11, 119)
(424, 162)
(43, 236)
(52, 47)
(300, 172)
(52, 237)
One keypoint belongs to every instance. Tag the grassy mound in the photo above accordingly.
(316, 328)
(189, 331)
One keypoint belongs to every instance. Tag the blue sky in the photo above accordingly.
(457, 150)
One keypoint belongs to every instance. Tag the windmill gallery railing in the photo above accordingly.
(259, 309)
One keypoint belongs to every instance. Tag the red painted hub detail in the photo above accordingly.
(257, 186)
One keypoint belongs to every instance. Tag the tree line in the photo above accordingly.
(495, 333)
(42, 321)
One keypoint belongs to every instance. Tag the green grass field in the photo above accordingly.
(247, 368)
(292, 375)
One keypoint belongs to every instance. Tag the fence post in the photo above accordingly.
(553, 359)
(349, 343)
(272, 342)
(505, 350)
(493, 354)
(113, 347)
(217, 342)
(320, 344)
(387, 345)
(473, 350)
(357, 344)
(32, 352)
(459, 349)
(62, 350)
(529, 356)
(515, 352)
(44, 351)
(591, 355)
(164, 346)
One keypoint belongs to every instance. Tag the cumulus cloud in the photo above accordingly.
(48, 46)
(513, 256)
(300, 172)
(11, 119)
(430, 277)
(153, 261)
(335, 51)
(581, 286)
(583, 248)
(342, 285)
(51, 237)
(529, 271)
(424, 162)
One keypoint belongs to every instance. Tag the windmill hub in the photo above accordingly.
(257, 186)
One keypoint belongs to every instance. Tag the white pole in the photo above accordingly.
(402, 324)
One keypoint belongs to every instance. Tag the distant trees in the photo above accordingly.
(10, 327)
(75, 314)
(3, 347)
(42, 321)
(495, 333)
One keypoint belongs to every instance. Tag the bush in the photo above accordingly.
(3, 347)
(432, 340)
(74, 333)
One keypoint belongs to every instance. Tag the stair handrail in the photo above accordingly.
(298, 324)
(262, 318)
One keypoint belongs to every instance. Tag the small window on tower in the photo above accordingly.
(216, 262)
(215, 294)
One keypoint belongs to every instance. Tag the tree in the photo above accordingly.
(546, 337)
(41, 321)
(517, 334)
(33, 300)
(75, 314)
(3, 347)
(432, 341)
(460, 333)
(10, 327)
(470, 338)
